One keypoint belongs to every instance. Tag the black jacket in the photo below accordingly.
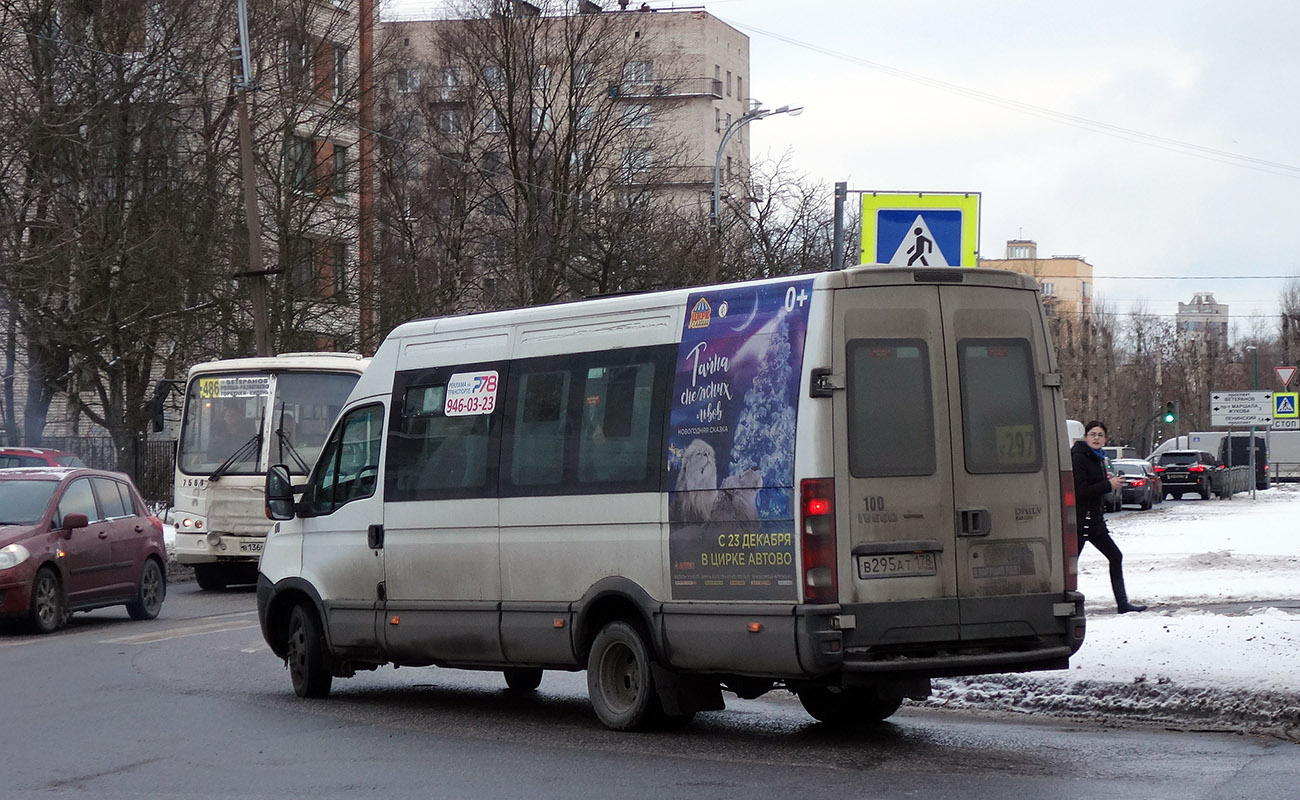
(1090, 483)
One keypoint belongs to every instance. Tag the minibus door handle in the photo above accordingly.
(375, 537)
(976, 522)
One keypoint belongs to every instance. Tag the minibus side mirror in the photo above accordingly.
(279, 493)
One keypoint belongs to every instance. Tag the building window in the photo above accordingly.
(491, 121)
(717, 120)
(1083, 289)
(639, 72)
(494, 77)
(1049, 289)
(340, 71)
(493, 162)
(728, 83)
(586, 117)
(637, 160)
(298, 158)
(340, 267)
(408, 80)
(340, 170)
(450, 121)
(541, 119)
(449, 87)
(638, 115)
(1018, 251)
(542, 77)
(740, 94)
(583, 75)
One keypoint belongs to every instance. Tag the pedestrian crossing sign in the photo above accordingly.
(920, 229)
(1284, 405)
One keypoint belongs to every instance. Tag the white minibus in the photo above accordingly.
(840, 484)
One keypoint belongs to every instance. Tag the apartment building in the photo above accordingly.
(611, 71)
(1066, 281)
(1204, 317)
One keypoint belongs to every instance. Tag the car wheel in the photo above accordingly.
(149, 597)
(46, 614)
(1147, 502)
(619, 680)
(1205, 492)
(523, 679)
(305, 653)
(1177, 495)
(850, 706)
(211, 577)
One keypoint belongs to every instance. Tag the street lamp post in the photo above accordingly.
(715, 214)
(1250, 443)
(1255, 350)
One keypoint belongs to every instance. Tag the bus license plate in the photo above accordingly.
(896, 565)
(250, 547)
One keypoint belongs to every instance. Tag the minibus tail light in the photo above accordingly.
(1069, 532)
(817, 540)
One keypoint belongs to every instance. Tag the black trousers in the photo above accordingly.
(1100, 538)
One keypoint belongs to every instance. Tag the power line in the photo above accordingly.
(1084, 123)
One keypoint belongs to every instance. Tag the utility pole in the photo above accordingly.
(837, 240)
(252, 216)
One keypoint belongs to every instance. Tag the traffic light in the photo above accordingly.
(1170, 416)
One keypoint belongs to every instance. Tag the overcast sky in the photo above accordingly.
(1154, 139)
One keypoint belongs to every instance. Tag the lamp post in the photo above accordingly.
(1250, 442)
(715, 214)
(1255, 350)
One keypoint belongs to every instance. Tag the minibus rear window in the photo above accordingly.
(891, 412)
(999, 406)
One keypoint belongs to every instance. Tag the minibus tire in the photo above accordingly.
(847, 707)
(619, 681)
(305, 653)
(211, 577)
(522, 679)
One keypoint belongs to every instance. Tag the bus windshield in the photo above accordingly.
(225, 418)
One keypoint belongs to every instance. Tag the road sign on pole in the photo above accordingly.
(1241, 409)
(1285, 374)
(920, 229)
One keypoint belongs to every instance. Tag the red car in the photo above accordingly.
(11, 457)
(73, 540)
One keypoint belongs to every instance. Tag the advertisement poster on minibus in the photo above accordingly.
(731, 443)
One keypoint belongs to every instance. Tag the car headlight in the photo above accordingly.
(12, 556)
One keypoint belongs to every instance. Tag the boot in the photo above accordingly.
(1122, 605)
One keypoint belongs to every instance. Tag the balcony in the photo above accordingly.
(677, 88)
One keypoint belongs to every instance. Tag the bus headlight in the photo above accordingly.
(12, 555)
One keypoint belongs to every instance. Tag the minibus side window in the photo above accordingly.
(437, 455)
(539, 428)
(349, 464)
(890, 408)
(999, 406)
(616, 422)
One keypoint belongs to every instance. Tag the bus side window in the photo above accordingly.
(539, 428)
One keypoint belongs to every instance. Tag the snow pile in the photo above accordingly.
(1216, 649)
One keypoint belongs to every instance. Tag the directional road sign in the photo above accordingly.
(1241, 409)
(920, 229)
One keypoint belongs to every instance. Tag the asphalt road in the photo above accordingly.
(193, 705)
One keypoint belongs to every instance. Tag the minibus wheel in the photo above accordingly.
(619, 680)
(305, 654)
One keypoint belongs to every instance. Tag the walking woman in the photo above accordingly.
(1090, 488)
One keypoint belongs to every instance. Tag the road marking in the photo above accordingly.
(220, 626)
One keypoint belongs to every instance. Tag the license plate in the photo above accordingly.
(250, 547)
(896, 565)
(1178, 476)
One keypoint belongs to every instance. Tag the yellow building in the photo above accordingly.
(1066, 281)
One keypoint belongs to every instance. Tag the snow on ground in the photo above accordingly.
(1217, 649)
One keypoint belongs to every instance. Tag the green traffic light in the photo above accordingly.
(1170, 416)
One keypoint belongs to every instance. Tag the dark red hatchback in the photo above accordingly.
(73, 540)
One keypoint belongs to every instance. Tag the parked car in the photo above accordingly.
(1141, 484)
(11, 457)
(74, 540)
(1187, 471)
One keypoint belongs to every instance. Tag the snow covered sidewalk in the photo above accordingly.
(1218, 648)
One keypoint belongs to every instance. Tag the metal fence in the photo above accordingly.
(151, 463)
